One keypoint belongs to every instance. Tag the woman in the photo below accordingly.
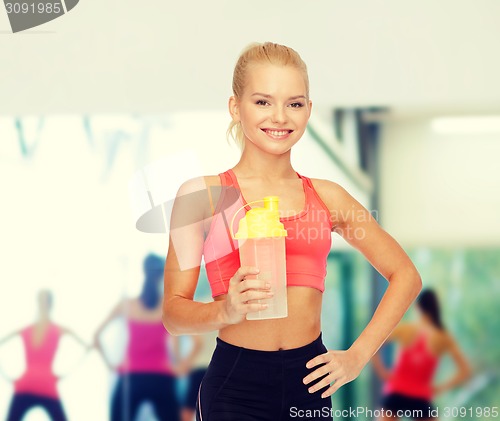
(37, 387)
(146, 373)
(278, 368)
(409, 386)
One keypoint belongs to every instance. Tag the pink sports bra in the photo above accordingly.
(307, 243)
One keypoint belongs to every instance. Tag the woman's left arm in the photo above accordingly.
(360, 229)
(77, 338)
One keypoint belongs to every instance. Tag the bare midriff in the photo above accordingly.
(301, 327)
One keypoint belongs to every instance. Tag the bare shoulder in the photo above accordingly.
(333, 194)
(405, 332)
(325, 185)
(407, 327)
(338, 201)
(130, 307)
(196, 184)
(212, 180)
(122, 306)
(192, 202)
(196, 188)
(448, 340)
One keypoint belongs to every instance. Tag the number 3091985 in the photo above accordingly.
(33, 8)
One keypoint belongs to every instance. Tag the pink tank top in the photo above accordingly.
(307, 244)
(38, 377)
(414, 370)
(147, 350)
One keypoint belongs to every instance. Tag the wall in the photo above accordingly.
(126, 56)
(438, 189)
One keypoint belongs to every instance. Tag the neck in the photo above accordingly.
(256, 163)
(43, 318)
(426, 321)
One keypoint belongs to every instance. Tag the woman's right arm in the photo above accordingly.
(2, 341)
(9, 337)
(181, 314)
(118, 310)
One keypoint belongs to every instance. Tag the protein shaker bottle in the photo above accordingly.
(261, 241)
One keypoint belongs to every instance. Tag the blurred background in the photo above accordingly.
(406, 117)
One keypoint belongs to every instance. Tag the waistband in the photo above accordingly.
(256, 355)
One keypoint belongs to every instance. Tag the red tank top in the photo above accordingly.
(414, 370)
(147, 350)
(38, 378)
(307, 243)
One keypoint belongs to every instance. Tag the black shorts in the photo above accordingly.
(252, 385)
(133, 389)
(409, 407)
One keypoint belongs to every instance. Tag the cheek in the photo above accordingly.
(300, 123)
(252, 121)
(303, 117)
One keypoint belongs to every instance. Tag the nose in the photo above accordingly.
(279, 115)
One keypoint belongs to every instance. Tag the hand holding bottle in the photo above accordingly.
(261, 242)
(242, 294)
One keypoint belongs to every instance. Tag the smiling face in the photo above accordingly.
(273, 109)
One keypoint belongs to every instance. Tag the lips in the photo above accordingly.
(277, 133)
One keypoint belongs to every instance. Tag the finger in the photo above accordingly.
(319, 359)
(331, 390)
(260, 301)
(316, 374)
(253, 284)
(250, 308)
(253, 295)
(241, 273)
(324, 382)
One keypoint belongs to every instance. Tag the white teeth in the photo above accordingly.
(277, 133)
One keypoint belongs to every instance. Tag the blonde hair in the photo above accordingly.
(267, 52)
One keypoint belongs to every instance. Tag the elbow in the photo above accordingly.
(467, 373)
(169, 325)
(415, 280)
(168, 316)
(417, 283)
(410, 277)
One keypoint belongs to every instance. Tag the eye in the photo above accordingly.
(297, 105)
(261, 102)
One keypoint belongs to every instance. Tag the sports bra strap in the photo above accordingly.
(226, 179)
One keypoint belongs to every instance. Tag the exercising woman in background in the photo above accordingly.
(37, 387)
(146, 373)
(409, 386)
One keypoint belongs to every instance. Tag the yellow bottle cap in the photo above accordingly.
(262, 222)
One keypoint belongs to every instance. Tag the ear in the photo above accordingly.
(310, 109)
(234, 108)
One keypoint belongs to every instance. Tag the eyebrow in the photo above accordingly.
(270, 96)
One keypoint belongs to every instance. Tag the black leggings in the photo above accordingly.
(252, 385)
(133, 389)
(22, 402)
(194, 381)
